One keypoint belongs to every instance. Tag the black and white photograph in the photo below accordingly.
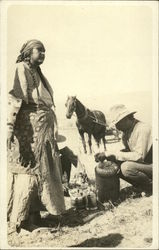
(79, 125)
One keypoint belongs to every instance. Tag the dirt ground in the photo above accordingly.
(126, 224)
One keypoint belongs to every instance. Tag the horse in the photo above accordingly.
(92, 122)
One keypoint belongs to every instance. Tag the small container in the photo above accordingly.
(91, 201)
(80, 202)
(73, 202)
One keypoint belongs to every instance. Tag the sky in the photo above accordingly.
(94, 51)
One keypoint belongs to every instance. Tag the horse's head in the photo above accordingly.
(70, 106)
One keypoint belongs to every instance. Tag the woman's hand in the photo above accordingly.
(110, 156)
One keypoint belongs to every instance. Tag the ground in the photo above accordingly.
(126, 224)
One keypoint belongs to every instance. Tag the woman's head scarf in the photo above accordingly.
(27, 49)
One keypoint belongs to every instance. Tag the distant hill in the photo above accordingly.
(138, 101)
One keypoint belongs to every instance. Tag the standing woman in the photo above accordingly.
(34, 173)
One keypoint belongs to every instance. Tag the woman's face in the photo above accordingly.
(37, 56)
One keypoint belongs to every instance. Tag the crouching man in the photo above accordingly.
(135, 160)
(68, 158)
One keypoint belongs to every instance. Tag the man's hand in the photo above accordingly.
(100, 157)
(10, 139)
(110, 156)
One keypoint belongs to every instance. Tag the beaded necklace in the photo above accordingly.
(35, 82)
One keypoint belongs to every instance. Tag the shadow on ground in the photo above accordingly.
(111, 240)
(132, 192)
(72, 218)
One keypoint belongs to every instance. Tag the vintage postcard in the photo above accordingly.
(79, 125)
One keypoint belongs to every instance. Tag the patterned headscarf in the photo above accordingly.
(27, 48)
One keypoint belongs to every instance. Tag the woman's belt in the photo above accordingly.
(34, 107)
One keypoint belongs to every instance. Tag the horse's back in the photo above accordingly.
(99, 115)
(94, 123)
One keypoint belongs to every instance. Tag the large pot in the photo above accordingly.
(107, 181)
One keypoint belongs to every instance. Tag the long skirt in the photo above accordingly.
(34, 169)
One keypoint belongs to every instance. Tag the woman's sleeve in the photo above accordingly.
(14, 105)
(17, 95)
(20, 83)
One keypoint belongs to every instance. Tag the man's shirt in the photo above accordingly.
(138, 141)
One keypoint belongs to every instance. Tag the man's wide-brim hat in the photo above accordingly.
(118, 112)
(61, 140)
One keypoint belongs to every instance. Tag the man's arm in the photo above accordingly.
(142, 141)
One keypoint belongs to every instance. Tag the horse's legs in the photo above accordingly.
(83, 141)
(97, 141)
(90, 143)
(104, 142)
